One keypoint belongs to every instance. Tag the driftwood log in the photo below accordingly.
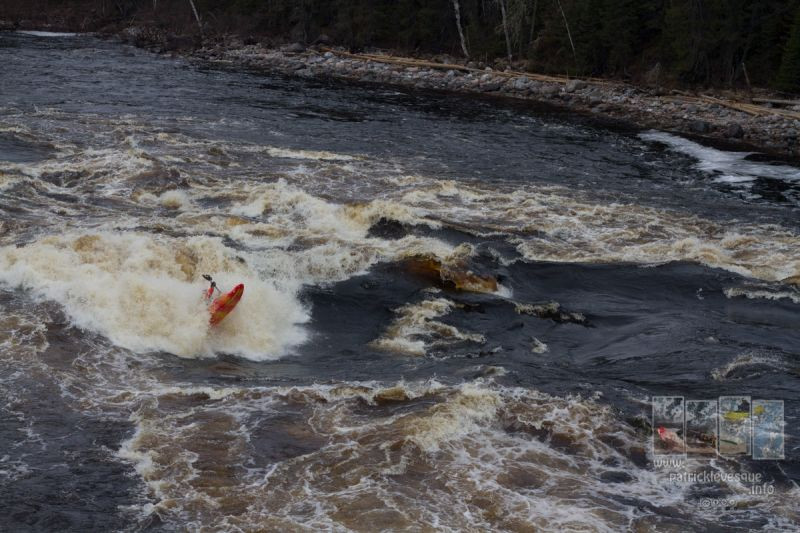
(745, 107)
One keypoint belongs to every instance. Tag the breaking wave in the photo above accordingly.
(726, 166)
(485, 457)
(415, 331)
(143, 292)
(551, 224)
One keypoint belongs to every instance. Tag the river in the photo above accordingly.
(457, 310)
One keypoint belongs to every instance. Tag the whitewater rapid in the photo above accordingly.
(456, 312)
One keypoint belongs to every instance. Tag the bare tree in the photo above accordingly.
(505, 27)
(533, 21)
(566, 24)
(517, 17)
(196, 16)
(457, 7)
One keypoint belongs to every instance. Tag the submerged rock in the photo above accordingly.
(552, 311)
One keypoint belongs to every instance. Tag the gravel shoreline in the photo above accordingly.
(772, 133)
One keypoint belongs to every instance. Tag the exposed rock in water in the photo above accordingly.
(793, 280)
(386, 228)
(451, 276)
(391, 395)
(469, 307)
(551, 311)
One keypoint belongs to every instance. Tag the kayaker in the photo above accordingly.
(211, 288)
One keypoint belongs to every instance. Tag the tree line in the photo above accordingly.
(700, 42)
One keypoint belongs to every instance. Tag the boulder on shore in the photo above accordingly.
(734, 131)
(699, 126)
(294, 48)
(574, 85)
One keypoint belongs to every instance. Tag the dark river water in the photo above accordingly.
(457, 310)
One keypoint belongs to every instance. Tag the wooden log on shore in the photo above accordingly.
(775, 101)
(752, 109)
(749, 108)
(402, 61)
(421, 63)
(746, 108)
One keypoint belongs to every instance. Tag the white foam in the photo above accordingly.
(47, 33)
(733, 167)
(7, 180)
(11, 470)
(318, 155)
(485, 457)
(538, 346)
(97, 164)
(764, 293)
(744, 360)
(735, 179)
(143, 292)
(414, 331)
(553, 224)
(175, 199)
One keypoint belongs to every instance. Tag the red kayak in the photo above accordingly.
(222, 306)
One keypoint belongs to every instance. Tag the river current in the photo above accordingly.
(457, 310)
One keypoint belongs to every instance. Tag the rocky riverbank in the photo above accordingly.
(648, 108)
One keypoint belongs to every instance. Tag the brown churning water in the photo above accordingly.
(456, 310)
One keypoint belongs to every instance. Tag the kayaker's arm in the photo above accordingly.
(210, 292)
